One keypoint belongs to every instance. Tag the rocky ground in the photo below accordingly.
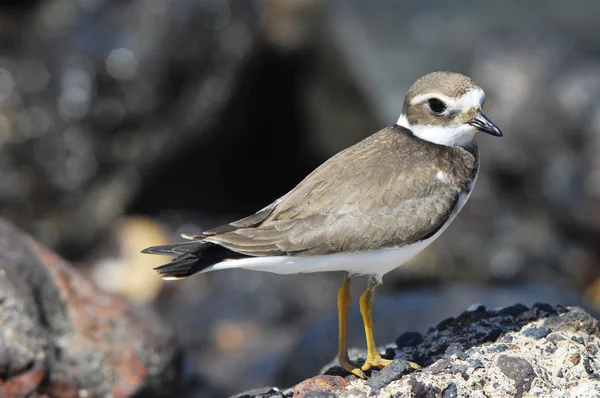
(542, 351)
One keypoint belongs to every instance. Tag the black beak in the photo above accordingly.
(482, 123)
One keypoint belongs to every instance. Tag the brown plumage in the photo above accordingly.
(368, 197)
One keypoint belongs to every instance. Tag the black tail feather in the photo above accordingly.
(180, 267)
(192, 257)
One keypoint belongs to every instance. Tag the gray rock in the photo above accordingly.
(519, 370)
(455, 350)
(497, 348)
(450, 391)
(392, 372)
(537, 333)
(463, 356)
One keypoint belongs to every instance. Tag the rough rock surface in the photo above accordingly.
(60, 336)
(517, 351)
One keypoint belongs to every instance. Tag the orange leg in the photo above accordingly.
(344, 301)
(366, 308)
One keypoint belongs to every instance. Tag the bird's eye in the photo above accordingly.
(436, 106)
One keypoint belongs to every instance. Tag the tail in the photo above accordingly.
(192, 257)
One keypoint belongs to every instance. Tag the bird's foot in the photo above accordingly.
(379, 362)
(351, 367)
(375, 362)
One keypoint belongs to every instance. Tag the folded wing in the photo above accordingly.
(371, 199)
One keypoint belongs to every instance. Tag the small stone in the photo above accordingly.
(450, 391)
(455, 349)
(460, 368)
(587, 366)
(555, 337)
(507, 338)
(578, 339)
(519, 370)
(409, 339)
(321, 383)
(393, 371)
(439, 366)
(420, 390)
(574, 358)
(537, 333)
(498, 348)
(476, 363)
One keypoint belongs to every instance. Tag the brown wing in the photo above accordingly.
(366, 197)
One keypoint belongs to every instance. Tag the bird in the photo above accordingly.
(365, 211)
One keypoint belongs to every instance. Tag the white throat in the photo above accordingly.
(461, 135)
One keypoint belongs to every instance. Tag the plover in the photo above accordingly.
(366, 210)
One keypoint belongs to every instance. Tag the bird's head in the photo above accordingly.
(446, 108)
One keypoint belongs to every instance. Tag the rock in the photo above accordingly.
(392, 372)
(455, 351)
(519, 370)
(419, 389)
(492, 353)
(266, 392)
(450, 391)
(401, 314)
(63, 337)
(320, 384)
(537, 333)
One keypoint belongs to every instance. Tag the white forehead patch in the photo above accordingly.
(463, 103)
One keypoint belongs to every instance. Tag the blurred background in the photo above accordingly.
(124, 123)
